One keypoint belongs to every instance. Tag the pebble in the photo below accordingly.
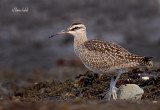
(130, 92)
(145, 78)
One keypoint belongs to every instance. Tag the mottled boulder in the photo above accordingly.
(130, 92)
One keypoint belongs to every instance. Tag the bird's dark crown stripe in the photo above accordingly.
(76, 23)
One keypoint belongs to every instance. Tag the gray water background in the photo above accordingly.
(24, 42)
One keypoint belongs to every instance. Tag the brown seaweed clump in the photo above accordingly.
(87, 86)
(91, 86)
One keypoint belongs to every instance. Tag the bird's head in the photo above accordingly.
(75, 29)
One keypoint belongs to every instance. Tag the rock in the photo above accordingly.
(130, 92)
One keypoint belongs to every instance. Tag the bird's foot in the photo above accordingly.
(112, 93)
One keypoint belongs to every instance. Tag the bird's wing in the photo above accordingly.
(105, 47)
(110, 55)
(104, 55)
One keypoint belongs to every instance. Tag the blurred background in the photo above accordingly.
(25, 47)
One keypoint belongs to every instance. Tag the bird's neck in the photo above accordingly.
(79, 39)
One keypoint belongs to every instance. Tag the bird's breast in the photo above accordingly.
(94, 61)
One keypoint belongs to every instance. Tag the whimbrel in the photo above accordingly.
(103, 56)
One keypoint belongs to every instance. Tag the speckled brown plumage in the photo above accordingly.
(103, 56)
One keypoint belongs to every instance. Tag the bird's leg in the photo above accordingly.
(118, 76)
(114, 94)
(110, 91)
(113, 89)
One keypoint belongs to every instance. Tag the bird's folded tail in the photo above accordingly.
(146, 61)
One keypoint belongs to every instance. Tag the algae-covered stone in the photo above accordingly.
(130, 91)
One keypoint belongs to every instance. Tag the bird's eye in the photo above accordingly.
(76, 28)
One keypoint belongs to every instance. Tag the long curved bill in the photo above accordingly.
(62, 32)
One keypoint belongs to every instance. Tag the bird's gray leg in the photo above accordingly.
(113, 89)
(114, 94)
(118, 76)
(110, 91)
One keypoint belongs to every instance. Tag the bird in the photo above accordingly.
(102, 56)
